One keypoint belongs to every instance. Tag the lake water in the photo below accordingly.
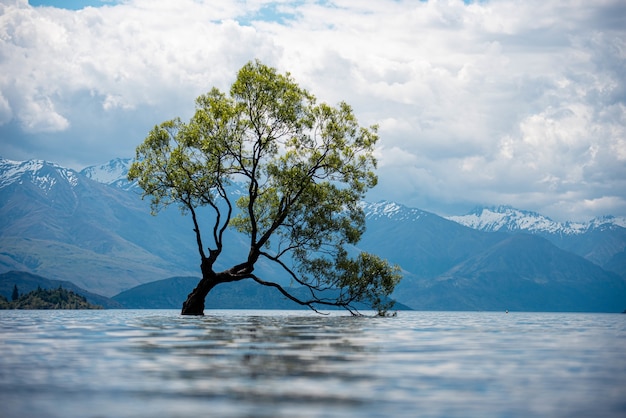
(140, 363)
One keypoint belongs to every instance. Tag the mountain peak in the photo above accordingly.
(506, 218)
(42, 173)
(509, 219)
(607, 222)
(391, 210)
(113, 173)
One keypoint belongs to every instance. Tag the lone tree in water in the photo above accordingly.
(305, 168)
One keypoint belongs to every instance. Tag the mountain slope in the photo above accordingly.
(423, 243)
(112, 173)
(509, 219)
(60, 224)
(523, 272)
(601, 240)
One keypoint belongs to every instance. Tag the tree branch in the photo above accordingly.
(196, 229)
(285, 293)
(309, 303)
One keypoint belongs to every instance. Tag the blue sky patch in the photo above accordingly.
(268, 13)
(71, 4)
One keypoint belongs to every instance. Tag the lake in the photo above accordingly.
(155, 363)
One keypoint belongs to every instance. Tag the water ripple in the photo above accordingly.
(300, 364)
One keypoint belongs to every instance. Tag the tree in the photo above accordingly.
(305, 168)
(16, 293)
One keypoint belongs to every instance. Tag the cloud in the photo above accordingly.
(521, 103)
(125, 56)
(6, 114)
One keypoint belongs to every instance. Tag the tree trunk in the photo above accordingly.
(194, 305)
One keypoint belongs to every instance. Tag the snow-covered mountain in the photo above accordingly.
(62, 224)
(113, 173)
(57, 223)
(41, 173)
(509, 219)
(489, 219)
(607, 222)
(390, 210)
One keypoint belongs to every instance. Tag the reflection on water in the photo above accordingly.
(291, 364)
(266, 360)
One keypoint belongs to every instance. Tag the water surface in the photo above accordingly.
(139, 363)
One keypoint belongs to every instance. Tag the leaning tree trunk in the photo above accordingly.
(194, 305)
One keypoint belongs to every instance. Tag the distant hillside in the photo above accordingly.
(112, 173)
(424, 244)
(512, 275)
(602, 240)
(62, 224)
(246, 294)
(27, 282)
(48, 299)
(508, 219)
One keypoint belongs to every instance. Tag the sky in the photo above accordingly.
(508, 102)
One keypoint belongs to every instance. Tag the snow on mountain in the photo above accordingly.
(607, 221)
(497, 218)
(509, 219)
(391, 210)
(41, 173)
(113, 173)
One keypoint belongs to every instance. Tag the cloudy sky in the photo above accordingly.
(478, 102)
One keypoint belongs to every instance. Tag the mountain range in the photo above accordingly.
(509, 219)
(92, 228)
(600, 240)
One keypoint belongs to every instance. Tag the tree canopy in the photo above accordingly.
(305, 168)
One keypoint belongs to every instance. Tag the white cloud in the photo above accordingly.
(127, 55)
(39, 115)
(6, 114)
(487, 102)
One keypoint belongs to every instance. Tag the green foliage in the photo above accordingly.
(305, 166)
(48, 299)
(4, 303)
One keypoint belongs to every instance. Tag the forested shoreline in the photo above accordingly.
(46, 299)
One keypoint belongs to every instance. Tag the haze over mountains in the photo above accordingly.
(92, 228)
